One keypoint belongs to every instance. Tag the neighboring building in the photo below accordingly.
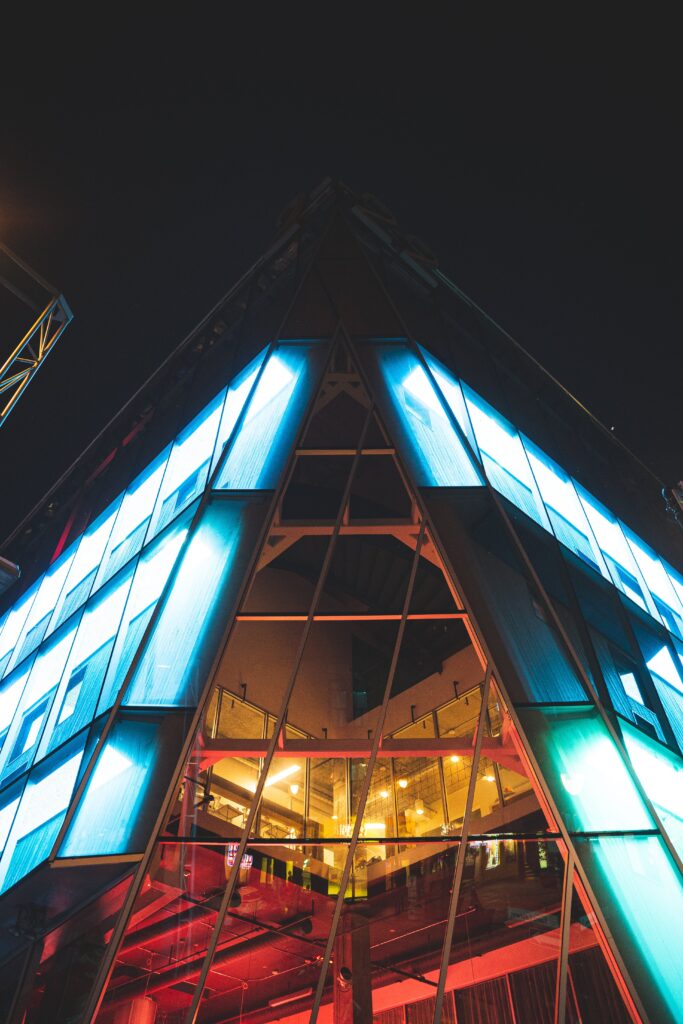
(338, 697)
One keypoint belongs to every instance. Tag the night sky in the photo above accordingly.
(144, 173)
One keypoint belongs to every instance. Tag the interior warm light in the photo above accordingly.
(403, 783)
(294, 788)
(335, 817)
(374, 826)
(384, 793)
(455, 758)
(284, 774)
(419, 807)
(489, 778)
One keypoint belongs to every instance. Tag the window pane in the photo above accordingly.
(273, 418)
(615, 550)
(661, 774)
(584, 770)
(452, 392)
(564, 508)
(13, 627)
(172, 670)
(39, 817)
(417, 417)
(132, 521)
(85, 564)
(662, 591)
(121, 797)
(76, 700)
(238, 392)
(32, 714)
(662, 664)
(504, 458)
(42, 608)
(188, 465)
(150, 578)
(639, 891)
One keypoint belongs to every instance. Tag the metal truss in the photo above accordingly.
(22, 364)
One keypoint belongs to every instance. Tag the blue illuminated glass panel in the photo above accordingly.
(133, 519)
(40, 815)
(451, 391)
(584, 769)
(273, 418)
(10, 694)
(188, 466)
(616, 552)
(122, 793)
(43, 607)
(31, 715)
(238, 393)
(14, 625)
(564, 509)
(76, 699)
(150, 579)
(179, 652)
(504, 458)
(660, 586)
(436, 454)
(85, 565)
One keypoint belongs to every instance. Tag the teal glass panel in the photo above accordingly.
(76, 699)
(616, 552)
(151, 574)
(14, 624)
(85, 565)
(173, 667)
(660, 772)
(662, 664)
(11, 690)
(121, 796)
(451, 391)
(42, 608)
(638, 889)
(40, 814)
(273, 418)
(504, 459)
(132, 521)
(38, 694)
(238, 393)
(188, 466)
(661, 588)
(564, 509)
(416, 417)
(587, 776)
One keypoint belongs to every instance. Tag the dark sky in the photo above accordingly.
(144, 172)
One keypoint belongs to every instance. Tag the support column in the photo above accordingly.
(352, 970)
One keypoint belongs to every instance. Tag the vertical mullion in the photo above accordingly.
(565, 922)
(365, 788)
(193, 1010)
(462, 850)
(442, 774)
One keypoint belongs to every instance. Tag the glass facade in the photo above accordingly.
(352, 705)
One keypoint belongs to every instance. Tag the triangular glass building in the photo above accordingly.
(344, 681)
